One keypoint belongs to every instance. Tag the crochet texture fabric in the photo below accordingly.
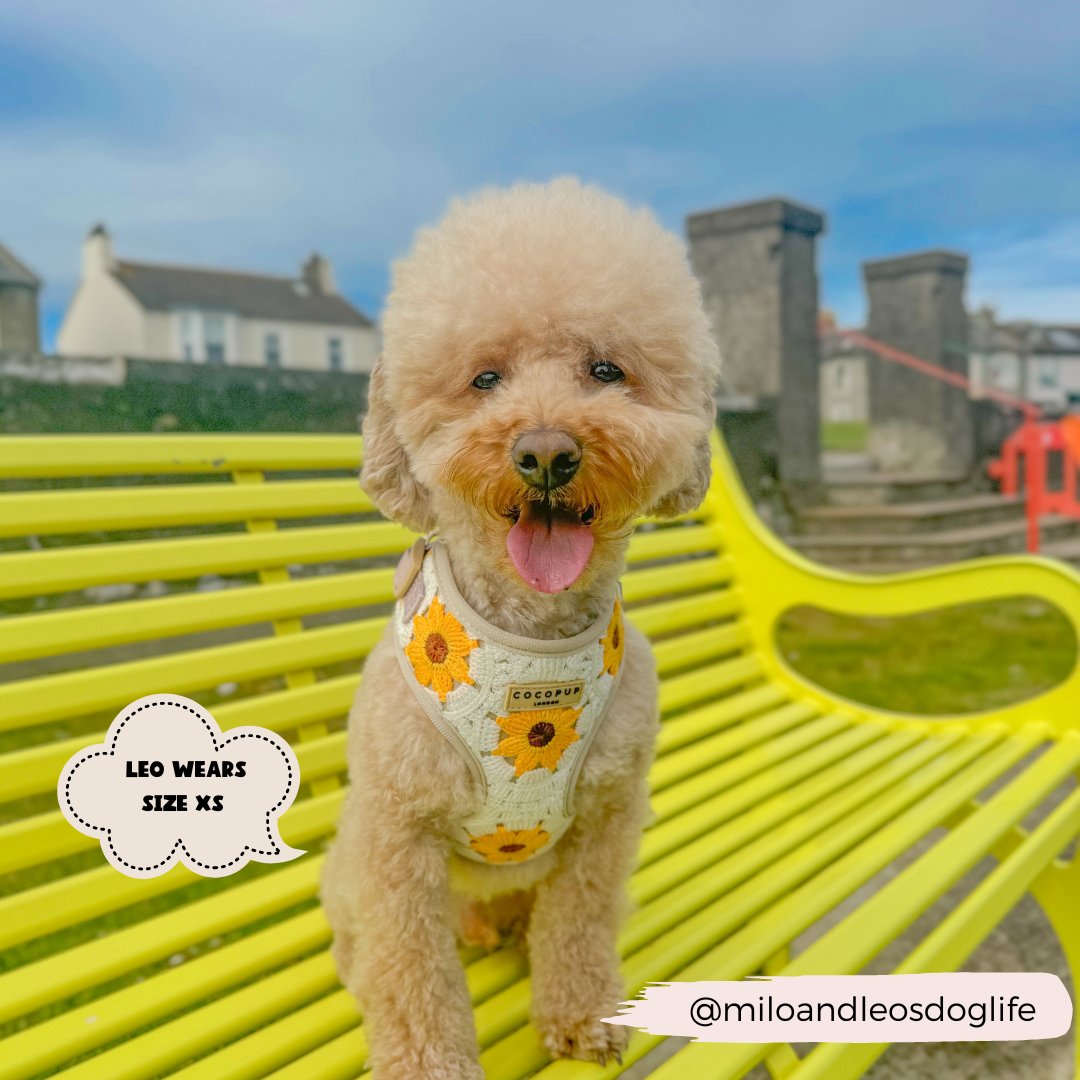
(522, 813)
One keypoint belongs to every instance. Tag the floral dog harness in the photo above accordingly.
(521, 712)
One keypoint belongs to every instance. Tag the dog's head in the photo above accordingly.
(546, 378)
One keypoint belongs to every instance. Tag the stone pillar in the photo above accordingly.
(759, 285)
(917, 423)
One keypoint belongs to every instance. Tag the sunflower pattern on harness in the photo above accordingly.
(522, 712)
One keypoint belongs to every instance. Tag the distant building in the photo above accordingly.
(153, 312)
(1036, 361)
(19, 287)
(844, 395)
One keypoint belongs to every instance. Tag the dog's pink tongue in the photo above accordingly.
(549, 548)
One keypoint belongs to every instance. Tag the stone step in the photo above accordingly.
(851, 487)
(1066, 549)
(921, 549)
(911, 517)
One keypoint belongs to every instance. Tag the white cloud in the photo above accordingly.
(244, 134)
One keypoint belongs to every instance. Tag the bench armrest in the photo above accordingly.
(774, 578)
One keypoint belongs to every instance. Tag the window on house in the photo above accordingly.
(335, 353)
(272, 349)
(188, 335)
(214, 338)
(841, 376)
(1047, 372)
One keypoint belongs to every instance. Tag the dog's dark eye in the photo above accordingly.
(605, 371)
(487, 381)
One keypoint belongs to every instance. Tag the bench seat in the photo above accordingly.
(251, 573)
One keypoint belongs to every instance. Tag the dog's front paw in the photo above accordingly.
(585, 1040)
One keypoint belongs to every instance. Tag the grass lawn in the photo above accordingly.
(843, 435)
(954, 660)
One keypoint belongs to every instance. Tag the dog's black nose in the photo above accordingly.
(546, 459)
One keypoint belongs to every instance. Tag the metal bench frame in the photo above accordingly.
(773, 798)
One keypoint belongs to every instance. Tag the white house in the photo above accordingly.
(151, 312)
(1038, 361)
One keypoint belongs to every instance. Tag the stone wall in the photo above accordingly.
(759, 286)
(18, 318)
(42, 395)
(919, 424)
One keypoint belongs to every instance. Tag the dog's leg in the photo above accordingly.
(575, 921)
(405, 969)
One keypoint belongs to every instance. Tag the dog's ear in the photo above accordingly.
(689, 496)
(385, 474)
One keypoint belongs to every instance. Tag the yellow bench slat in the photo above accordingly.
(40, 573)
(678, 578)
(696, 723)
(717, 779)
(500, 1010)
(876, 922)
(954, 939)
(54, 697)
(27, 772)
(30, 771)
(680, 764)
(678, 954)
(664, 616)
(53, 513)
(99, 1021)
(675, 540)
(51, 633)
(43, 837)
(929, 788)
(706, 683)
(769, 816)
(29, 914)
(692, 649)
(248, 1008)
(257, 1054)
(899, 902)
(129, 455)
(339, 743)
(785, 898)
(63, 974)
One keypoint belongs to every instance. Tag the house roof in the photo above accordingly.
(1038, 339)
(15, 272)
(260, 296)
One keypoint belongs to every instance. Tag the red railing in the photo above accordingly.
(1030, 443)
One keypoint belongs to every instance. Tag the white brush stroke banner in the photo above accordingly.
(946, 1007)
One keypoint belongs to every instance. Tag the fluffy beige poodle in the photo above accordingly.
(546, 379)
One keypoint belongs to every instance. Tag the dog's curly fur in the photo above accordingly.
(536, 283)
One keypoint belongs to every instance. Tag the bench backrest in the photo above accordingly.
(248, 572)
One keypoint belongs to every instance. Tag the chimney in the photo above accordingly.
(318, 275)
(97, 255)
(97, 252)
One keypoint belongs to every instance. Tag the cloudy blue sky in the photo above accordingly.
(245, 134)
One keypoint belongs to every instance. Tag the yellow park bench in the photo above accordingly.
(251, 572)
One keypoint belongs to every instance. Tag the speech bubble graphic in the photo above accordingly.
(168, 786)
